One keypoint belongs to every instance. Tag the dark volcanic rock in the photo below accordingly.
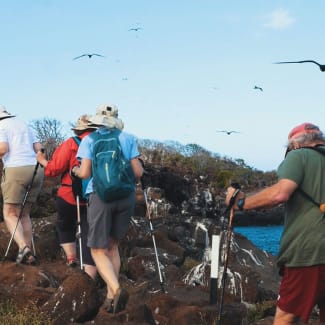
(69, 296)
(185, 214)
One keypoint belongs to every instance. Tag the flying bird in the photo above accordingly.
(321, 66)
(135, 29)
(89, 55)
(228, 132)
(259, 88)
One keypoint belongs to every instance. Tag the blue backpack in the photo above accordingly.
(113, 177)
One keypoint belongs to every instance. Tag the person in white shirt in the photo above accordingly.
(18, 148)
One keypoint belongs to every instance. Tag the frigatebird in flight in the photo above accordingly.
(259, 88)
(228, 132)
(89, 55)
(135, 29)
(321, 66)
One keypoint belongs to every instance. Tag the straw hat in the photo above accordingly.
(107, 115)
(82, 123)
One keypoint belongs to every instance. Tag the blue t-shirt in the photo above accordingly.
(128, 143)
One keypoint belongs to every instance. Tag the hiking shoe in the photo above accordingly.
(118, 303)
(108, 305)
(25, 256)
(120, 300)
(72, 261)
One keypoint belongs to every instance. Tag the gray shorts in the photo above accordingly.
(108, 220)
(15, 183)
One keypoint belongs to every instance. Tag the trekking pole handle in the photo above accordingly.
(234, 195)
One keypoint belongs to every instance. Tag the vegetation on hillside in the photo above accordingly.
(196, 161)
(191, 159)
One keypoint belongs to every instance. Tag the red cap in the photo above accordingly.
(302, 129)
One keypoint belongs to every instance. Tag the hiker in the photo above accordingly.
(301, 257)
(18, 147)
(60, 164)
(108, 222)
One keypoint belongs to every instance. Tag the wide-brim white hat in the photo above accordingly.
(107, 115)
(4, 112)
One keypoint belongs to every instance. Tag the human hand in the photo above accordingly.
(233, 195)
(41, 157)
(73, 171)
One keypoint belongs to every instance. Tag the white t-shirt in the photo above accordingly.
(20, 139)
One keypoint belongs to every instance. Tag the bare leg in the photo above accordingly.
(114, 255)
(23, 234)
(108, 266)
(69, 250)
(27, 224)
(284, 318)
(91, 270)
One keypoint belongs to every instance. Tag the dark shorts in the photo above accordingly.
(108, 220)
(301, 289)
(66, 226)
(16, 181)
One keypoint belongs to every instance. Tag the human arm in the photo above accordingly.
(84, 170)
(266, 198)
(137, 168)
(4, 148)
(61, 159)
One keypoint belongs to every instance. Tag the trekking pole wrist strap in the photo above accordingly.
(240, 204)
(232, 199)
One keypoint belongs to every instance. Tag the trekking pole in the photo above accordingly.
(21, 213)
(226, 252)
(33, 245)
(78, 234)
(148, 215)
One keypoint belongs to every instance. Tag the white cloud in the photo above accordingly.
(279, 19)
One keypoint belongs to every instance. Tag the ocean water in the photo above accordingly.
(266, 238)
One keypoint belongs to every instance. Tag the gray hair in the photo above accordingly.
(306, 139)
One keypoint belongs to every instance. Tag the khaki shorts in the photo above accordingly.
(16, 181)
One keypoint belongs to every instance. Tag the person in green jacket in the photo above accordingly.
(301, 258)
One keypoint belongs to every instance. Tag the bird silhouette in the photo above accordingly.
(259, 88)
(228, 132)
(89, 55)
(135, 29)
(321, 66)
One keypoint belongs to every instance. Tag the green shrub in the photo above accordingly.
(261, 310)
(11, 315)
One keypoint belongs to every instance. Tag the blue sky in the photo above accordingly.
(187, 72)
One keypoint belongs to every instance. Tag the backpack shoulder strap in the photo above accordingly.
(77, 140)
(114, 133)
(307, 196)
